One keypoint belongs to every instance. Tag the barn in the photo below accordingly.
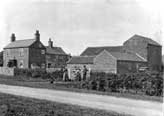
(105, 61)
(147, 48)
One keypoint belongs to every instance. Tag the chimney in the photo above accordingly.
(50, 43)
(37, 35)
(13, 37)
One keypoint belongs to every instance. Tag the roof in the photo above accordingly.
(81, 60)
(148, 40)
(92, 51)
(54, 50)
(20, 43)
(127, 56)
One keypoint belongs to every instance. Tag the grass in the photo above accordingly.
(11, 105)
(40, 83)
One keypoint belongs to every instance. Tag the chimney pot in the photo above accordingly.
(13, 38)
(50, 43)
(37, 35)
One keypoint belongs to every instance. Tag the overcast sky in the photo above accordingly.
(77, 24)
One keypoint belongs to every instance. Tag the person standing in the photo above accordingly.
(78, 74)
(65, 74)
(85, 70)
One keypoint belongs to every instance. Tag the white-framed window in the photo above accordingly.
(42, 51)
(21, 52)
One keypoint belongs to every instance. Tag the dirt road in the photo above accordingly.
(120, 105)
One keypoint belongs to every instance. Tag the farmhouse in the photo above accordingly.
(105, 61)
(55, 56)
(29, 53)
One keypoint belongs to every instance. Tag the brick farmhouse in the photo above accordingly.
(55, 56)
(27, 53)
(31, 53)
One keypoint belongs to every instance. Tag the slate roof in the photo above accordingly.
(92, 51)
(148, 40)
(127, 56)
(20, 43)
(55, 50)
(81, 60)
(118, 55)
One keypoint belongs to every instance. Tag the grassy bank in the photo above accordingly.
(21, 106)
(39, 83)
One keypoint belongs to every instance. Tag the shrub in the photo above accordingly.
(147, 83)
(57, 75)
(93, 85)
(34, 73)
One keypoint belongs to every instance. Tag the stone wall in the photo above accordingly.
(7, 71)
(154, 57)
(105, 62)
(129, 66)
(56, 60)
(19, 54)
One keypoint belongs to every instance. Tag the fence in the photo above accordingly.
(7, 71)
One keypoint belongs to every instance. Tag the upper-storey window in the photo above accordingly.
(21, 52)
(42, 51)
(7, 52)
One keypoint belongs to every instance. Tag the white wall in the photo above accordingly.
(7, 71)
(72, 69)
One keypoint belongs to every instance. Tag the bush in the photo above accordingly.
(39, 73)
(57, 75)
(149, 84)
(34, 73)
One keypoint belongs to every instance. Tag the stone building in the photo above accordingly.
(135, 54)
(147, 48)
(105, 61)
(29, 53)
(55, 56)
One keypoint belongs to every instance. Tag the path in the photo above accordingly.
(110, 103)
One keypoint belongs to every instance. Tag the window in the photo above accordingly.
(42, 65)
(21, 52)
(7, 53)
(42, 51)
(129, 66)
(40, 45)
(21, 64)
(49, 65)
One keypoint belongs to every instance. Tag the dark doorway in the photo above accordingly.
(12, 63)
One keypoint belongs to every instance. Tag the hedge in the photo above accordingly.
(149, 84)
(135, 83)
(39, 73)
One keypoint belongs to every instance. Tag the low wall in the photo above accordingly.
(7, 71)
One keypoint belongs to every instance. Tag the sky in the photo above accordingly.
(75, 25)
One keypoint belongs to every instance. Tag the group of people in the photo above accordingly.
(79, 74)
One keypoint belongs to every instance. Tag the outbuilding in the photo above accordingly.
(109, 62)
